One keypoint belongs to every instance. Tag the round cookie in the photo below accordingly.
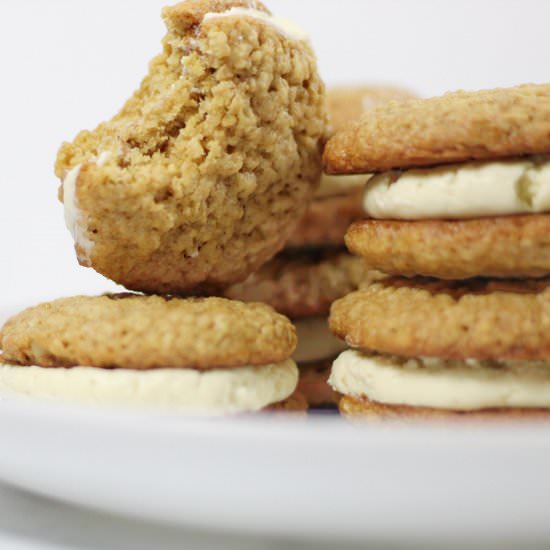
(205, 172)
(456, 127)
(304, 283)
(508, 246)
(140, 332)
(364, 409)
(478, 319)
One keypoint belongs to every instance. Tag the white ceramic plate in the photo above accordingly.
(319, 477)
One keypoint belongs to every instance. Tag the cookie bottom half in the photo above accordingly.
(363, 408)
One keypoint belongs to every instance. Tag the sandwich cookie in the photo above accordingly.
(463, 184)
(429, 349)
(205, 172)
(210, 355)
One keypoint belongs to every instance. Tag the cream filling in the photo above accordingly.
(216, 391)
(74, 219)
(461, 191)
(285, 27)
(440, 384)
(315, 341)
(332, 186)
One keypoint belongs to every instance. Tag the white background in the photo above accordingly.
(68, 64)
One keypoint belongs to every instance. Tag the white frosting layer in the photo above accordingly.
(315, 341)
(435, 383)
(215, 391)
(74, 220)
(339, 185)
(461, 191)
(285, 27)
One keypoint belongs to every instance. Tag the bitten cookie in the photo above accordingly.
(199, 355)
(206, 171)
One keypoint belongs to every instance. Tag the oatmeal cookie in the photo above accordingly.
(456, 127)
(507, 246)
(206, 171)
(475, 319)
(147, 332)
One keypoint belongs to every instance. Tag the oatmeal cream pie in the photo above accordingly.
(205, 172)
(203, 355)
(434, 349)
(463, 184)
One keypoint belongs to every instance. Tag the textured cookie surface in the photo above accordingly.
(304, 283)
(478, 319)
(207, 169)
(138, 332)
(456, 127)
(509, 247)
(370, 410)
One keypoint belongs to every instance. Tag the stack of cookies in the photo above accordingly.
(458, 217)
(198, 181)
(315, 269)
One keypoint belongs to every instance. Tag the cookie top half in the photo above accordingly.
(204, 173)
(456, 127)
(476, 319)
(147, 332)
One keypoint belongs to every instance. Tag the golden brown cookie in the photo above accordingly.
(363, 408)
(456, 127)
(509, 246)
(478, 319)
(304, 283)
(348, 103)
(314, 386)
(139, 332)
(205, 172)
